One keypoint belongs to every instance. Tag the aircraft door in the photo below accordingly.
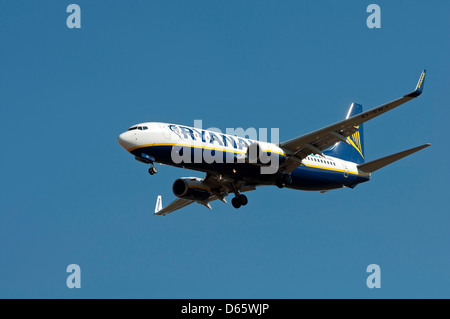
(345, 170)
(166, 132)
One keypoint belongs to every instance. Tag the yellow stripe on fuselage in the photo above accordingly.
(332, 169)
(196, 146)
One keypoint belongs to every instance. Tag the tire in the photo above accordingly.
(235, 202)
(242, 199)
(279, 182)
(287, 179)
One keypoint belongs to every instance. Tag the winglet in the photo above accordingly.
(419, 86)
(158, 206)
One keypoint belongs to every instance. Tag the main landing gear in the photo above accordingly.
(239, 200)
(283, 180)
(152, 170)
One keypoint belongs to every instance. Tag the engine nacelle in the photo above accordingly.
(191, 188)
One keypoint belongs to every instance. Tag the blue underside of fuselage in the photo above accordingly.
(303, 177)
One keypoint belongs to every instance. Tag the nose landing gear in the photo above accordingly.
(147, 159)
(152, 170)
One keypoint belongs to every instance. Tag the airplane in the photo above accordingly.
(329, 158)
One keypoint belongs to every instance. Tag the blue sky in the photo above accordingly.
(72, 195)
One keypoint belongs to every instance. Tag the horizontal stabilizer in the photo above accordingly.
(372, 166)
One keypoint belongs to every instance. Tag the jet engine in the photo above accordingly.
(191, 188)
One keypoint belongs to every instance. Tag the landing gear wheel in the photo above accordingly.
(283, 180)
(242, 199)
(152, 170)
(279, 183)
(236, 202)
(287, 179)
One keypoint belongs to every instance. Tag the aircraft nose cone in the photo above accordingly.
(126, 140)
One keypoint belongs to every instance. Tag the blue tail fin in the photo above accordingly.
(353, 150)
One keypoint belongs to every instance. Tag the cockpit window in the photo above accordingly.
(138, 128)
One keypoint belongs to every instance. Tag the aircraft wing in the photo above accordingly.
(175, 205)
(300, 147)
(221, 187)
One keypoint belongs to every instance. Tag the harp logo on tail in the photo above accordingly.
(355, 141)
